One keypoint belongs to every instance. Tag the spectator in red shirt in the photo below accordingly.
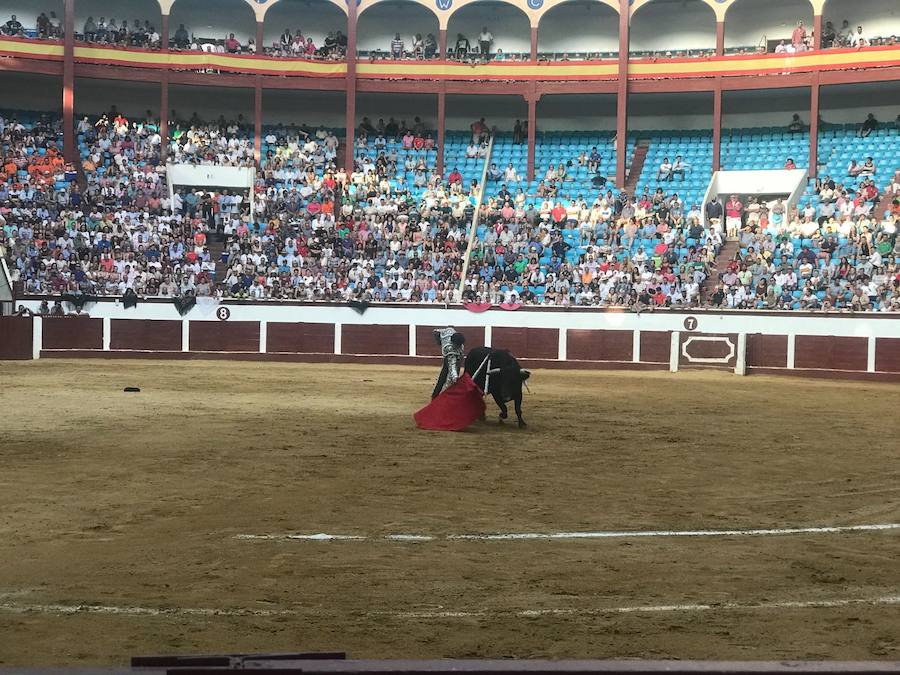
(734, 209)
(232, 46)
(455, 176)
(798, 36)
(558, 213)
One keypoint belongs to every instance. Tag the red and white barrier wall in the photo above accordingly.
(839, 345)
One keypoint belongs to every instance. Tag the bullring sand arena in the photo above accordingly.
(720, 517)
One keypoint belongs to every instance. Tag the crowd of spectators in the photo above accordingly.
(46, 27)
(614, 251)
(221, 143)
(320, 232)
(296, 45)
(839, 254)
(848, 36)
(137, 34)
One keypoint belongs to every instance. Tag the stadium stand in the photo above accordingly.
(392, 230)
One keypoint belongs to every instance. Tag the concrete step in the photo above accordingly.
(637, 165)
(725, 255)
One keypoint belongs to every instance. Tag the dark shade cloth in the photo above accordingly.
(184, 305)
(359, 305)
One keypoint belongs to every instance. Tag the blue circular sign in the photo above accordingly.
(535, 4)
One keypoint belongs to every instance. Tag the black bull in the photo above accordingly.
(504, 385)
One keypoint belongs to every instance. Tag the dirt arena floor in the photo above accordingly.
(121, 515)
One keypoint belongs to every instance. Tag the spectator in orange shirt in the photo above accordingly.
(798, 36)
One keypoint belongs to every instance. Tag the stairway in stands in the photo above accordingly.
(637, 165)
(726, 254)
(215, 248)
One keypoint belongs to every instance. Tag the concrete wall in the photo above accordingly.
(379, 23)
(210, 103)
(577, 26)
(661, 26)
(748, 21)
(25, 91)
(93, 97)
(499, 111)
(510, 26)
(228, 16)
(877, 17)
(27, 11)
(835, 346)
(313, 108)
(143, 10)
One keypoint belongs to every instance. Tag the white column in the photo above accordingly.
(870, 364)
(337, 338)
(263, 336)
(487, 336)
(636, 346)
(185, 335)
(37, 337)
(563, 346)
(674, 351)
(412, 340)
(107, 332)
(740, 364)
(790, 351)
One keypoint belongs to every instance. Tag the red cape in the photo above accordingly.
(454, 409)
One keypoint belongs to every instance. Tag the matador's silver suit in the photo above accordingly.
(451, 343)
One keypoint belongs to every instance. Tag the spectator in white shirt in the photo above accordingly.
(665, 170)
(485, 39)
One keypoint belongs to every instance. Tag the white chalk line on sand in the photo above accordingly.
(514, 536)
(23, 608)
(59, 609)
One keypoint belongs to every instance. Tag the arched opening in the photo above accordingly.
(378, 25)
(207, 25)
(690, 29)
(761, 25)
(289, 21)
(507, 24)
(132, 23)
(41, 20)
(579, 29)
(878, 19)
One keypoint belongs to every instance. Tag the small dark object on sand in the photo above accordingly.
(132, 389)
